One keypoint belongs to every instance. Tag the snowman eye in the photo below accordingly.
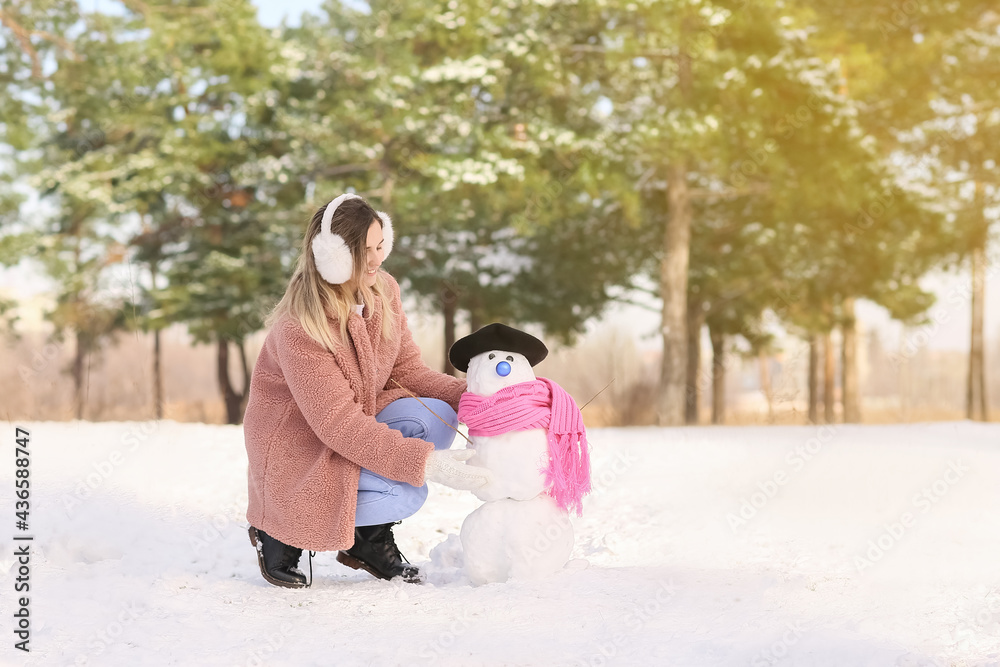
(510, 358)
(492, 355)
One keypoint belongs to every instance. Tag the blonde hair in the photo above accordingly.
(311, 300)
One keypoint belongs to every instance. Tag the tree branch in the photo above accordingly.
(593, 48)
(644, 290)
(140, 7)
(61, 42)
(730, 193)
(342, 169)
(644, 306)
(23, 36)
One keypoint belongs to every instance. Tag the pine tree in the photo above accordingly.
(924, 78)
(213, 231)
(700, 91)
(76, 245)
(30, 36)
(474, 126)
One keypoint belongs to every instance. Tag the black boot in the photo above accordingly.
(375, 552)
(278, 561)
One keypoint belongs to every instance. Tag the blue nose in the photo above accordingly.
(503, 369)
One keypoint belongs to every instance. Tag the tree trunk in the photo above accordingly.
(975, 398)
(229, 395)
(849, 364)
(449, 304)
(718, 377)
(673, 288)
(475, 315)
(79, 397)
(904, 382)
(764, 368)
(695, 321)
(157, 372)
(829, 369)
(813, 379)
(242, 347)
(674, 267)
(157, 375)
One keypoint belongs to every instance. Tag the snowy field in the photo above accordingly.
(840, 546)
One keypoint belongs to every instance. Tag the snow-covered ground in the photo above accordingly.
(840, 546)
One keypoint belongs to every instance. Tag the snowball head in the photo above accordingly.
(484, 379)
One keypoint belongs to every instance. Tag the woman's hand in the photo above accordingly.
(446, 466)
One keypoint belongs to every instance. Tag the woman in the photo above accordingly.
(338, 450)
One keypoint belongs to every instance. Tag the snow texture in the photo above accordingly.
(141, 557)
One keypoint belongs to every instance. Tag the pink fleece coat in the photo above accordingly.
(310, 425)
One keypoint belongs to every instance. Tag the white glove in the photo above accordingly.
(446, 466)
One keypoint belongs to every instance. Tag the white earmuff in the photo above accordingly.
(330, 251)
(387, 234)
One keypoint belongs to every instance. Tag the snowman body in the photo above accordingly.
(519, 531)
(520, 539)
(517, 461)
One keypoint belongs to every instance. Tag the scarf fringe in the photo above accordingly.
(568, 475)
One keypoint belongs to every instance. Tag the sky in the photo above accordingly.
(272, 11)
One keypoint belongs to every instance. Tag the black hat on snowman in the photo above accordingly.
(496, 336)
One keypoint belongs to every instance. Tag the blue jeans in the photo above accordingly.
(382, 500)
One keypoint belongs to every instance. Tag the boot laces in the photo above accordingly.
(391, 541)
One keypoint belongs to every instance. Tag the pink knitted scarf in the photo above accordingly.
(538, 404)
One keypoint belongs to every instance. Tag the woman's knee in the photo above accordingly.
(429, 419)
(403, 504)
(418, 496)
(402, 501)
(441, 432)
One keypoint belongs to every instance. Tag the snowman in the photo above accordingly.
(528, 432)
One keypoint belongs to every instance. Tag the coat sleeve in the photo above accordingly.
(411, 371)
(324, 395)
